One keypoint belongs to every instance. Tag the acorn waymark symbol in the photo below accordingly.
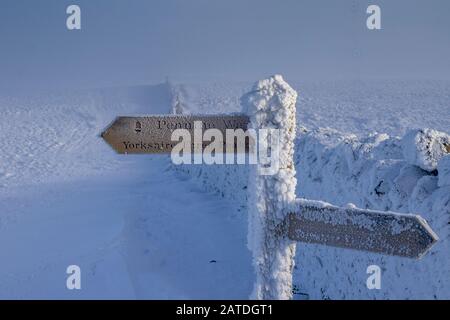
(138, 127)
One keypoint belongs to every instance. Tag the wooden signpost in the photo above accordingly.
(388, 233)
(352, 228)
(152, 134)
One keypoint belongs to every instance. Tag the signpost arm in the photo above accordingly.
(271, 104)
(404, 235)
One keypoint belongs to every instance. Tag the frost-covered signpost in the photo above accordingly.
(277, 220)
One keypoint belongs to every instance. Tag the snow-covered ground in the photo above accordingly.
(136, 229)
(357, 107)
(139, 229)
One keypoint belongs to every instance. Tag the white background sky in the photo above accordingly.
(127, 42)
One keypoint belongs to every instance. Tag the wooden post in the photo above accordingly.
(271, 104)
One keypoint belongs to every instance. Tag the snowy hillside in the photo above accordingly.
(356, 107)
(141, 228)
(135, 229)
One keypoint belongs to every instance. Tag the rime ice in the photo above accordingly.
(271, 104)
(425, 147)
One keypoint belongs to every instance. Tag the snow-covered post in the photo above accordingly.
(271, 104)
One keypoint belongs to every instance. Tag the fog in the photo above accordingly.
(128, 42)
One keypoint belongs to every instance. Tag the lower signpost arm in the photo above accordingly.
(404, 235)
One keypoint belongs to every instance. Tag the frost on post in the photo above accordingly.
(425, 147)
(271, 104)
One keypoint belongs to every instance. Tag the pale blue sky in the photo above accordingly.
(127, 42)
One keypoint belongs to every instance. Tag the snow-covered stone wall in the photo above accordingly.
(381, 173)
(409, 174)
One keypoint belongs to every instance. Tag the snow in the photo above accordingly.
(378, 180)
(351, 106)
(444, 172)
(341, 158)
(140, 227)
(424, 148)
(52, 137)
(317, 213)
(136, 229)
